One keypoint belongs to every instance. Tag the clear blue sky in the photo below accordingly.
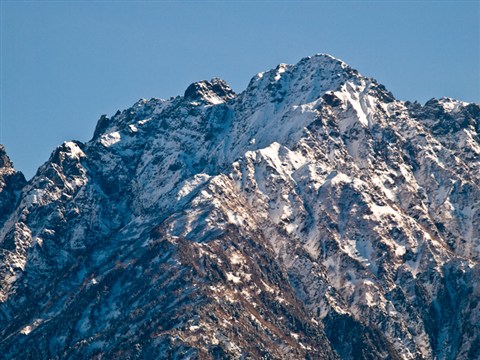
(65, 63)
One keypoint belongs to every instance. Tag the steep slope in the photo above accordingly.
(311, 216)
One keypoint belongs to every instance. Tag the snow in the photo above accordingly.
(190, 185)
(215, 100)
(400, 250)
(237, 258)
(233, 278)
(267, 287)
(349, 97)
(370, 299)
(279, 71)
(144, 121)
(74, 150)
(380, 181)
(110, 139)
(235, 218)
(382, 211)
(339, 179)
(29, 328)
(35, 197)
(38, 241)
(26, 330)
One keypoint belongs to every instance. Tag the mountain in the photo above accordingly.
(312, 216)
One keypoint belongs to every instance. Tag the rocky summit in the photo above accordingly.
(311, 216)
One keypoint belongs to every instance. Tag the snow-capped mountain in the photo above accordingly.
(312, 216)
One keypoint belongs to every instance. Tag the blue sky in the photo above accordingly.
(65, 63)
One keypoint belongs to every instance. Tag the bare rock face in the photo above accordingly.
(312, 216)
(11, 183)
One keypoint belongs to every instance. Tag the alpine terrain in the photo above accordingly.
(312, 216)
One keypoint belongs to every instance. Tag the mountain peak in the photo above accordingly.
(214, 91)
(303, 82)
(326, 66)
(313, 215)
(323, 58)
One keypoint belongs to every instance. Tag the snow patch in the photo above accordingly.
(74, 150)
(29, 328)
(110, 139)
(233, 278)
